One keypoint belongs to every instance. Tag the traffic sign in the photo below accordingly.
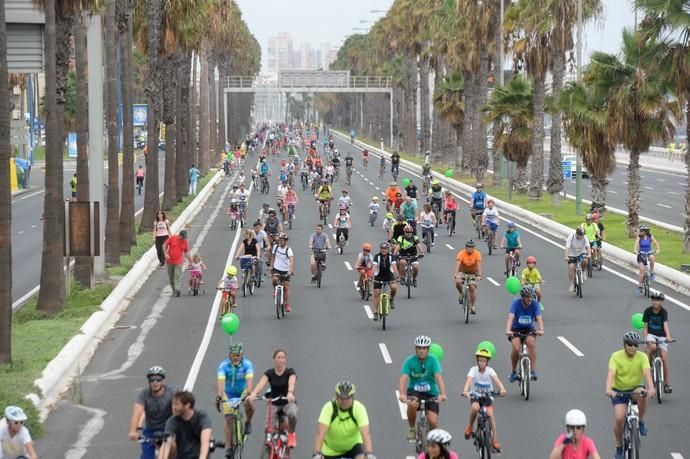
(567, 167)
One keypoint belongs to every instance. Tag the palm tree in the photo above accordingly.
(511, 109)
(112, 225)
(640, 108)
(448, 102)
(585, 120)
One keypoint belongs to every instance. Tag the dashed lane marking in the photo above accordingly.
(648, 188)
(356, 286)
(676, 456)
(384, 352)
(21, 232)
(370, 314)
(377, 188)
(673, 193)
(612, 191)
(33, 226)
(660, 180)
(401, 406)
(490, 279)
(570, 346)
(348, 266)
(665, 206)
(450, 247)
(330, 226)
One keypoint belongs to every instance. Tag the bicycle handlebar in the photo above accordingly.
(616, 393)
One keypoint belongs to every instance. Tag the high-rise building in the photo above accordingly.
(324, 56)
(280, 54)
(306, 61)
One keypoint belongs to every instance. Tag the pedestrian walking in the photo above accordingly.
(193, 176)
(176, 250)
(73, 186)
(161, 233)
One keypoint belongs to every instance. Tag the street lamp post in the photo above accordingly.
(502, 166)
(578, 159)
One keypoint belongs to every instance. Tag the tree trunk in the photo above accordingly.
(633, 201)
(5, 202)
(686, 229)
(520, 180)
(467, 144)
(204, 133)
(220, 140)
(169, 95)
(598, 191)
(480, 157)
(83, 266)
(127, 230)
(410, 113)
(424, 101)
(192, 141)
(213, 110)
(554, 184)
(537, 173)
(182, 159)
(112, 224)
(154, 23)
(459, 145)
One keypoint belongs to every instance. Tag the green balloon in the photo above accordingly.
(489, 346)
(230, 323)
(448, 173)
(437, 351)
(636, 321)
(406, 182)
(513, 285)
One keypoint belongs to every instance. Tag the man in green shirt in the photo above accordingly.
(628, 368)
(343, 430)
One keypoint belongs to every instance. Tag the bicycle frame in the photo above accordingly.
(524, 365)
(483, 434)
(421, 424)
(384, 303)
(237, 436)
(275, 443)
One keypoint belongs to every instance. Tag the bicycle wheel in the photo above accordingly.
(267, 452)
(634, 451)
(422, 431)
(490, 242)
(658, 376)
(525, 369)
(590, 268)
(578, 284)
(384, 309)
(408, 281)
(318, 274)
(486, 443)
(647, 291)
(278, 300)
(290, 221)
(465, 304)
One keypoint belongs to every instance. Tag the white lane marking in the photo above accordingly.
(27, 196)
(612, 191)
(356, 286)
(676, 456)
(86, 433)
(570, 346)
(401, 406)
(673, 193)
(385, 353)
(330, 226)
(660, 180)
(160, 195)
(493, 281)
(370, 314)
(377, 188)
(34, 226)
(681, 183)
(648, 188)
(665, 206)
(348, 266)
(450, 247)
(333, 235)
(21, 232)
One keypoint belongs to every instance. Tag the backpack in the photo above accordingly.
(349, 412)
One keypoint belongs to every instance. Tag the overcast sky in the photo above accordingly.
(330, 21)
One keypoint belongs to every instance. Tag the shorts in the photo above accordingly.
(356, 450)
(520, 330)
(594, 244)
(483, 401)
(227, 409)
(284, 274)
(492, 226)
(511, 250)
(378, 281)
(623, 399)
(642, 259)
(430, 406)
(660, 341)
(574, 260)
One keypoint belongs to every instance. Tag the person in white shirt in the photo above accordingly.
(577, 249)
(283, 265)
(15, 439)
(345, 200)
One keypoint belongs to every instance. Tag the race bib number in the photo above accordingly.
(422, 387)
(525, 320)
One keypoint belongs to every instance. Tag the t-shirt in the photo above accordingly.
(250, 247)
(655, 321)
(343, 433)
(585, 449)
(279, 383)
(408, 247)
(177, 247)
(469, 262)
(530, 276)
(13, 447)
(395, 159)
(188, 433)
(575, 246)
(235, 377)
(478, 199)
(422, 376)
(157, 410)
(491, 215)
(590, 230)
(409, 210)
(162, 228)
(193, 174)
(261, 238)
(512, 239)
(628, 369)
(342, 220)
(481, 382)
(525, 317)
(411, 191)
(282, 258)
(318, 241)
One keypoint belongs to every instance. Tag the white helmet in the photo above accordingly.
(422, 341)
(15, 413)
(575, 418)
(439, 436)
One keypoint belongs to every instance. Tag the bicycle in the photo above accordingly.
(524, 365)
(426, 185)
(408, 276)
(364, 287)
(427, 236)
(196, 283)
(450, 223)
(156, 439)
(384, 309)
(421, 424)
(290, 214)
(436, 209)
(323, 211)
(365, 161)
(341, 244)
(646, 278)
(477, 220)
(597, 261)
(320, 258)
(140, 185)
(247, 264)
(578, 278)
(658, 370)
(394, 173)
(234, 217)
(235, 449)
(490, 239)
(225, 305)
(382, 172)
(348, 175)
(305, 182)
(467, 281)
(265, 186)
(631, 426)
(373, 215)
(512, 264)
(279, 295)
(276, 441)
(483, 434)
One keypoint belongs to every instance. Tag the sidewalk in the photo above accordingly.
(662, 161)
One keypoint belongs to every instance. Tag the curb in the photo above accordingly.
(60, 372)
(665, 274)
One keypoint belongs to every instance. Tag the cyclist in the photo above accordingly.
(330, 172)
(335, 162)
(468, 261)
(188, 430)
(591, 230)
(15, 438)
(627, 374)
(532, 277)
(409, 211)
(264, 168)
(229, 285)
(391, 193)
(479, 201)
(395, 163)
(235, 380)
(398, 229)
(408, 249)
(345, 200)
(385, 270)
(195, 269)
(436, 194)
(438, 446)
(291, 200)
(273, 226)
(374, 205)
(524, 312)
(481, 380)
(388, 223)
(283, 265)
(304, 171)
(250, 246)
(574, 443)
(577, 250)
(411, 190)
(343, 427)
(364, 264)
(657, 333)
(342, 223)
(421, 379)
(427, 220)
(348, 163)
(263, 240)
(318, 241)
(512, 244)
(382, 166)
(490, 219)
(281, 379)
(426, 170)
(644, 252)
(450, 208)
(602, 229)
(365, 157)
(154, 403)
(140, 178)
(325, 193)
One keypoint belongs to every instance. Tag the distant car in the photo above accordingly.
(573, 160)
(161, 146)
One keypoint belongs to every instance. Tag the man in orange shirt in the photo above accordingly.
(391, 192)
(468, 261)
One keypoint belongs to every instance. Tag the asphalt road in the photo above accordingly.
(329, 337)
(27, 226)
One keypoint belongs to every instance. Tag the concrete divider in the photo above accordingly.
(664, 274)
(60, 372)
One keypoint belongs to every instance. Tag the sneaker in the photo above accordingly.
(619, 452)
(640, 288)
(513, 377)
(313, 279)
(460, 298)
(668, 389)
(496, 445)
(376, 317)
(533, 375)
(177, 293)
(392, 303)
(247, 428)
(468, 431)
(411, 434)
(287, 307)
(292, 440)
(414, 283)
(652, 276)
(584, 277)
(571, 289)
(473, 310)
(643, 429)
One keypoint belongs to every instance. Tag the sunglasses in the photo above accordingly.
(632, 344)
(155, 379)
(576, 427)
(17, 422)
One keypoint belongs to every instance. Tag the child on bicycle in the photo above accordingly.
(374, 205)
(388, 223)
(229, 284)
(195, 269)
(531, 276)
(364, 264)
(511, 242)
(481, 379)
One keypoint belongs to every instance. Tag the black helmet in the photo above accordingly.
(469, 243)
(183, 234)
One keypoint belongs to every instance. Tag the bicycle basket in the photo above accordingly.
(320, 256)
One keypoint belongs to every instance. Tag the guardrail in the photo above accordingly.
(311, 81)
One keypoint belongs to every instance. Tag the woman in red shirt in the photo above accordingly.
(574, 444)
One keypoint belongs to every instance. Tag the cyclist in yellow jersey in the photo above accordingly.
(325, 193)
(531, 276)
(628, 373)
(591, 230)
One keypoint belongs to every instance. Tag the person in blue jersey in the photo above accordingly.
(235, 380)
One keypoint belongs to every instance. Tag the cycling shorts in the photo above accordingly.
(430, 406)
(641, 259)
(623, 398)
(525, 331)
(594, 244)
(573, 260)
(284, 274)
(379, 280)
(511, 249)
(492, 226)
(356, 451)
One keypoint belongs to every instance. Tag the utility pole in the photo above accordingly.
(578, 161)
(503, 162)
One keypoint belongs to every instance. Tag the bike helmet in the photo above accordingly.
(439, 436)
(510, 224)
(588, 217)
(532, 259)
(342, 206)
(389, 215)
(632, 338)
(657, 296)
(155, 371)
(398, 194)
(393, 184)
(579, 231)
(183, 234)
(384, 245)
(479, 185)
(526, 291)
(422, 341)
(400, 217)
(233, 201)
(236, 348)
(366, 246)
(469, 244)
(483, 353)
(644, 227)
(232, 270)
(345, 389)
(375, 198)
(408, 229)
(15, 413)
(283, 237)
(575, 418)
